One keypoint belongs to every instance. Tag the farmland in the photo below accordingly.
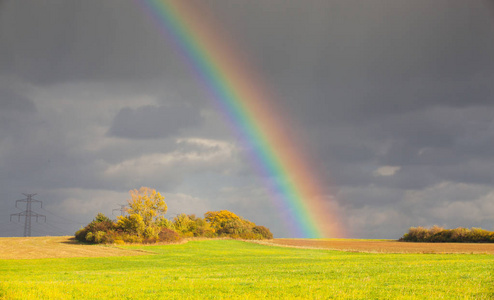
(55, 247)
(226, 269)
(385, 246)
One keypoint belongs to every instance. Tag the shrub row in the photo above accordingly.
(133, 229)
(438, 234)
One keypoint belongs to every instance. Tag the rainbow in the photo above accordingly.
(246, 104)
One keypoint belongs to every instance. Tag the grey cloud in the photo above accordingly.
(88, 86)
(410, 178)
(12, 101)
(343, 40)
(393, 83)
(56, 41)
(16, 112)
(473, 170)
(153, 121)
(370, 195)
(466, 202)
(436, 136)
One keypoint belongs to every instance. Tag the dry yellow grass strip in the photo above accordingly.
(55, 247)
(385, 246)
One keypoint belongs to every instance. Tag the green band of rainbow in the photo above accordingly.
(246, 104)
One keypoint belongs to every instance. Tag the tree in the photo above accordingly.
(219, 219)
(183, 224)
(133, 224)
(190, 225)
(145, 223)
(226, 222)
(263, 232)
(148, 203)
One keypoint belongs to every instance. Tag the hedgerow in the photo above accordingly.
(437, 234)
(145, 224)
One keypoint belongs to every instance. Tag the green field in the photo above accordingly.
(229, 269)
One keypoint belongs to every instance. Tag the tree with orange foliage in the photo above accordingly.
(218, 219)
(226, 222)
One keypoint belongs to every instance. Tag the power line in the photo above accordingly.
(63, 218)
(56, 229)
(28, 213)
(122, 209)
(8, 227)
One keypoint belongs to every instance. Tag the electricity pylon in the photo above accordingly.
(122, 209)
(28, 213)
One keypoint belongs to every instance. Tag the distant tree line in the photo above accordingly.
(145, 223)
(438, 234)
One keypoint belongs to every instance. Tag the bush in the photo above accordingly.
(132, 239)
(95, 231)
(89, 237)
(168, 236)
(227, 224)
(132, 224)
(162, 222)
(202, 228)
(263, 232)
(192, 226)
(134, 229)
(440, 235)
(151, 232)
(183, 225)
(218, 220)
(246, 235)
(80, 234)
(460, 234)
(119, 241)
(99, 236)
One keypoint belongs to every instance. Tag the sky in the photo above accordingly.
(393, 100)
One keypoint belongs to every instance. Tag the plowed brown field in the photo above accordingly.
(385, 246)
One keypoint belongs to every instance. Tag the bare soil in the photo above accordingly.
(56, 247)
(66, 246)
(385, 246)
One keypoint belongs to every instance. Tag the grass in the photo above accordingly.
(228, 269)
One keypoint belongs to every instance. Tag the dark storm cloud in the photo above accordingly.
(12, 101)
(350, 62)
(49, 42)
(153, 121)
(16, 111)
(392, 99)
(336, 39)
